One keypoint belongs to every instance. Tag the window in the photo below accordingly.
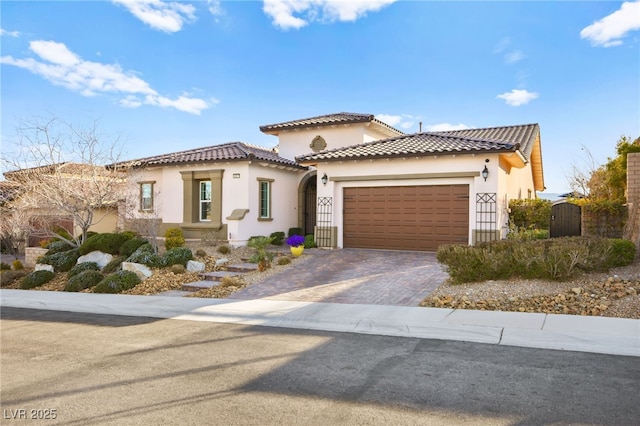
(205, 201)
(265, 198)
(146, 196)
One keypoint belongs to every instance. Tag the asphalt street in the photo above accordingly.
(78, 369)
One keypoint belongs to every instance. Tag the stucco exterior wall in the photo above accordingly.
(296, 142)
(240, 191)
(105, 220)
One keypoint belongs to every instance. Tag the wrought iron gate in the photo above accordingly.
(486, 217)
(323, 224)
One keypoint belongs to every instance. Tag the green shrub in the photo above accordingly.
(106, 243)
(9, 277)
(524, 234)
(294, 231)
(17, 265)
(89, 235)
(81, 267)
(284, 260)
(83, 280)
(61, 262)
(58, 246)
(556, 259)
(177, 256)
(173, 238)
(309, 241)
(60, 231)
(36, 279)
(130, 234)
(622, 253)
(114, 265)
(464, 263)
(277, 238)
(4, 266)
(224, 249)
(201, 253)
(117, 282)
(530, 213)
(131, 245)
(178, 269)
(147, 256)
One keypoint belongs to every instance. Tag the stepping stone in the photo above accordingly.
(243, 267)
(218, 275)
(199, 285)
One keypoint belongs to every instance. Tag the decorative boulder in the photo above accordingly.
(98, 257)
(142, 271)
(43, 267)
(195, 266)
(220, 262)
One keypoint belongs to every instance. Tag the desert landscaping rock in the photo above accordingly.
(43, 267)
(195, 266)
(142, 271)
(98, 257)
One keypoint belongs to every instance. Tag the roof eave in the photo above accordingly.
(314, 161)
(268, 129)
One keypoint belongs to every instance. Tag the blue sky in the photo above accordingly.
(168, 76)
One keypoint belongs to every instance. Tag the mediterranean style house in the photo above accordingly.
(350, 180)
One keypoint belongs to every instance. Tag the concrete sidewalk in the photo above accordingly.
(548, 331)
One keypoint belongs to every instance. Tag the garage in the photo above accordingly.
(406, 217)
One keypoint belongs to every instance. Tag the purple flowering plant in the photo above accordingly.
(295, 240)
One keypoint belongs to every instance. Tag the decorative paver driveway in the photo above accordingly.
(353, 276)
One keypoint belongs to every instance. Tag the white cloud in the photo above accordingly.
(518, 97)
(4, 32)
(609, 30)
(215, 8)
(164, 16)
(282, 12)
(404, 121)
(513, 57)
(64, 68)
(504, 47)
(443, 127)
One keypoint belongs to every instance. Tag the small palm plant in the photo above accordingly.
(262, 257)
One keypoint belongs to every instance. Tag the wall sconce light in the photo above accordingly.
(485, 172)
(324, 179)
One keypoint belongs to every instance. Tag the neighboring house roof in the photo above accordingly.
(330, 120)
(422, 144)
(9, 191)
(233, 151)
(65, 168)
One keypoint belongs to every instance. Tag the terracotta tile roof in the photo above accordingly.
(326, 120)
(524, 135)
(232, 151)
(497, 139)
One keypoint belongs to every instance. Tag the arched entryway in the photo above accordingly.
(307, 203)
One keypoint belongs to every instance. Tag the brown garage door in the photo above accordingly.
(406, 217)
